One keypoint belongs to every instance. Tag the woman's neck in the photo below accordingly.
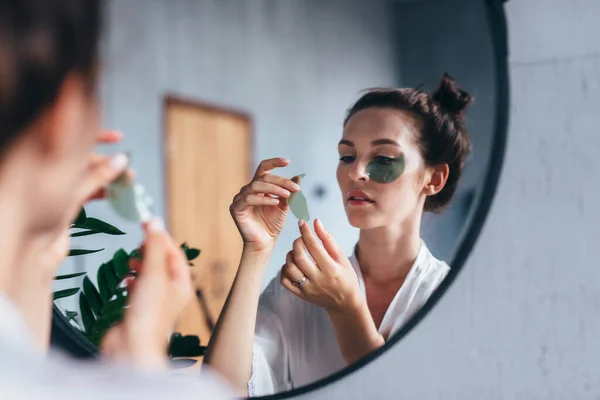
(24, 277)
(387, 254)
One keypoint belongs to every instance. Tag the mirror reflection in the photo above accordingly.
(372, 120)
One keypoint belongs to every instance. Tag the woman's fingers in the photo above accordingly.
(268, 165)
(102, 172)
(291, 270)
(258, 193)
(179, 272)
(255, 200)
(174, 264)
(282, 182)
(286, 282)
(301, 259)
(103, 169)
(135, 264)
(156, 248)
(103, 192)
(314, 247)
(264, 188)
(109, 137)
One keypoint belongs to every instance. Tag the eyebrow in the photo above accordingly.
(377, 142)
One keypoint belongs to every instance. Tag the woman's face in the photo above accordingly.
(381, 172)
(68, 129)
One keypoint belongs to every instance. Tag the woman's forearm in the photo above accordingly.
(356, 332)
(230, 348)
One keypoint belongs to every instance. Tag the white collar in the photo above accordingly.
(425, 268)
(13, 330)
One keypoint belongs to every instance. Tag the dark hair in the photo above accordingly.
(41, 42)
(443, 137)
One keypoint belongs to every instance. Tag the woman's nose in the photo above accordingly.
(358, 172)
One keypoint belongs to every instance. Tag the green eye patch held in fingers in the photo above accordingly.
(297, 201)
(385, 170)
(130, 200)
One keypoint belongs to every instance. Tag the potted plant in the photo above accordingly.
(104, 305)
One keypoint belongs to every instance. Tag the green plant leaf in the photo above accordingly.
(121, 263)
(69, 276)
(81, 217)
(96, 337)
(111, 306)
(87, 316)
(109, 320)
(105, 292)
(85, 233)
(94, 298)
(107, 281)
(135, 254)
(108, 269)
(70, 315)
(100, 226)
(81, 252)
(191, 254)
(65, 293)
(185, 346)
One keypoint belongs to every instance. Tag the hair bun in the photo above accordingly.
(451, 98)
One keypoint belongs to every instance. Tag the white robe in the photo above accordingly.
(295, 343)
(27, 374)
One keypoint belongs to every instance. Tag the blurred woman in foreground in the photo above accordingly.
(49, 125)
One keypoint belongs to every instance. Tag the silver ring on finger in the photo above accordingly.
(300, 283)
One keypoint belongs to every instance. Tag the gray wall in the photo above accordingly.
(522, 320)
(454, 39)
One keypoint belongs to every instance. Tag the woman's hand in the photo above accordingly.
(330, 282)
(162, 290)
(260, 208)
(47, 253)
(102, 170)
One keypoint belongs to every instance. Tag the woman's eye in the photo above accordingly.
(385, 160)
(346, 159)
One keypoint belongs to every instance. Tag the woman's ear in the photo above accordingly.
(437, 179)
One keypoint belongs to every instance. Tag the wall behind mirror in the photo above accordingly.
(280, 74)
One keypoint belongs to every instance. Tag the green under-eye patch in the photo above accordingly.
(297, 201)
(130, 200)
(381, 171)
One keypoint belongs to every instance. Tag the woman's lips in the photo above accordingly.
(358, 198)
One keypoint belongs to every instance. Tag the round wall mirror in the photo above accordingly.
(204, 90)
